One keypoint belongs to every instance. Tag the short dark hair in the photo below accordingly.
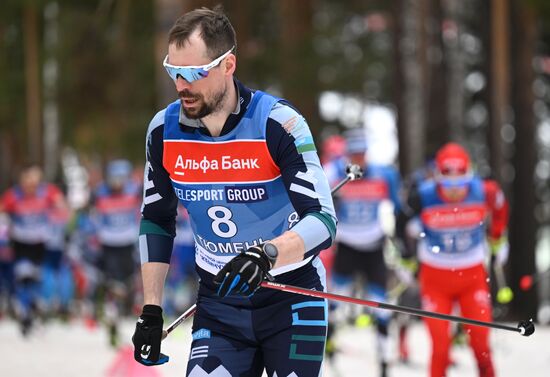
(215, 30)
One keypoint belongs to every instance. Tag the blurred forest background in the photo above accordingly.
(86, 76)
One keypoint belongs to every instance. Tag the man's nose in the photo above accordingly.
(182, 84)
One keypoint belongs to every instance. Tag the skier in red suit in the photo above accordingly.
(458, 219)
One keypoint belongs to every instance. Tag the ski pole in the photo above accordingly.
(186, 314)
(353, 172)
(525, 328)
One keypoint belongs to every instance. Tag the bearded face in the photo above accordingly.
(198, 105)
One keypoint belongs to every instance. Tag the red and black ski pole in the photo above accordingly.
(525, 328)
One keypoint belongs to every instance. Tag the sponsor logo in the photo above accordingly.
(211, 162)
(290, 124)
(196, 195)
(145, 351)
(375, 189)
(439, 217)
(229, 194)
(245, 194)
(201, 334)
(276, 284)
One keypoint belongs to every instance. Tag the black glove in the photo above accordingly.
(148, 336)
(243, 274)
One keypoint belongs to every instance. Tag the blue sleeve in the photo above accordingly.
(292, 148)
(159, 209)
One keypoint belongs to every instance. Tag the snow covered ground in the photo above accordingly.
(59, 350)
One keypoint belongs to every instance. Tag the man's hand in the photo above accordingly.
(243, 274)
(407, 270)
(147, 337)
(500, 249)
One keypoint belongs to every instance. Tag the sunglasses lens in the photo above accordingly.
(197, 74)
(188, 74)
(455, 182)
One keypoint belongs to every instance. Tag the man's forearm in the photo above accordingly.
(307, 238)
(291, 248)
(153, 275)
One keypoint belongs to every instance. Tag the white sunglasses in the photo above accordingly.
(192, 73)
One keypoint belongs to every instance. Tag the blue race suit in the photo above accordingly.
(360, 240)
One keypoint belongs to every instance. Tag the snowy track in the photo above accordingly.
(58, 350)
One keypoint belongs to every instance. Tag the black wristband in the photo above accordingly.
(152, 310)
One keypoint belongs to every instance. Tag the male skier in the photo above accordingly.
(361, 238)
(28, 205)
(116, 217)
(244, 165)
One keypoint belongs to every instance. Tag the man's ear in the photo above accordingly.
(230, 64)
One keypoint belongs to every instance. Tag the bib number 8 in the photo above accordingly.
(222, 226)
